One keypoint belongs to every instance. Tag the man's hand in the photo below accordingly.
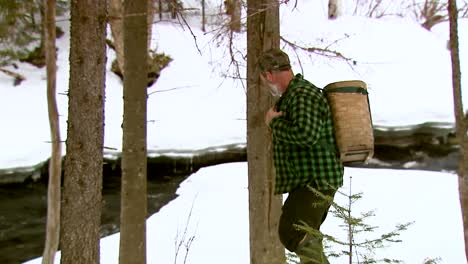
(270, 115)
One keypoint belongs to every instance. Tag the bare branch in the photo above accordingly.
(181, 15)
(167, 90)
(321, 51)
(234, 61)
(188, 243)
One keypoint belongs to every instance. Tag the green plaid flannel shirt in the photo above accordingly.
(300, 139)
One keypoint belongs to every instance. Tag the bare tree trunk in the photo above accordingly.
(42, 12)
(134, 158)
(116, 26)
(233, 9)
(264, 207)
(55, 164)
(150, 12)
(334, 8)
(236, 16)
(82, 198)
(173, 8)
(160, 9)
(203, 15)
(461, 125)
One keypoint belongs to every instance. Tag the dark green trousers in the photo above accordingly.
(304, 205)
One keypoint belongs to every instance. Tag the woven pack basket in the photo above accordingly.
(352, 119)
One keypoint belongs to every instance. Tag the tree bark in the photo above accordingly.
(264, 207)
(116, 26)
(160, 7)
(174, 8)
(333, 9)
(460, 126)
(134, 153)
(236, 15)
(203, 16)
(82, 198)
(150, 12)
(55, 165)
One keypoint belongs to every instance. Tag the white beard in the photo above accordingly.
(274, 90)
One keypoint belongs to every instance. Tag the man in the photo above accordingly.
(306, 161)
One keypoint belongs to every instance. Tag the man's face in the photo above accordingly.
(268, 79)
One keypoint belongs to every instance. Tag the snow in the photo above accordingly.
(407, 69)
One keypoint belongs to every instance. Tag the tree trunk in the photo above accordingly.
(55, 165)
(150, 12)
(264, 207)
(203, 15)
(134, 203)
(42, 28)
(173, 8)
(333, 9)
(461, 125)
(82, 198)
(116, 26)
(160, 8)
(236, 15)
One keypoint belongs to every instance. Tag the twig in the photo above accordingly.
(233, 59)
(321, 51)
(110, 148)
(167, 90)
(190, 29)
(184, 235)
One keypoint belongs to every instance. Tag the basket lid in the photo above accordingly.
(349, 83)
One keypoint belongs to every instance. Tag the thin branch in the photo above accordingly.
(110, 148)
(184, 235)
(336, 41)
(299, 61)
(235, 77)
(167, 90)
(181, 15)
(233, 59)
(321, 51)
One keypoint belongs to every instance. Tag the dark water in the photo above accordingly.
(23, 214)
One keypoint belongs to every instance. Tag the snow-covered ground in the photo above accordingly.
(212, 209)
(409, 75)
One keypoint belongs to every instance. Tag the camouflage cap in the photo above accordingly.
(273, 60)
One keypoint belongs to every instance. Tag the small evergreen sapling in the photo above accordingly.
(358, 251)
